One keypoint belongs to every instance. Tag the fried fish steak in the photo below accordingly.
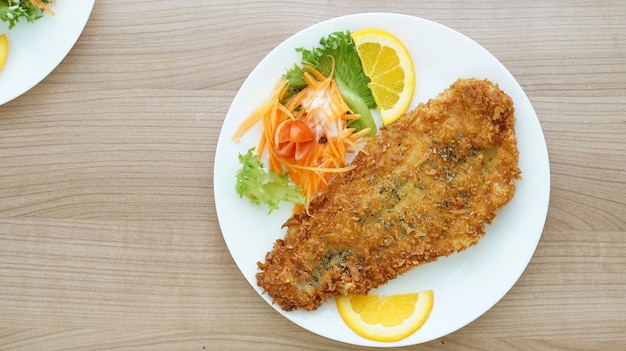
(425, 188)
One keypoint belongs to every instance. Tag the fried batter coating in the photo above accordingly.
(425, 188)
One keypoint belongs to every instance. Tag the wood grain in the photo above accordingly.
(108, 230)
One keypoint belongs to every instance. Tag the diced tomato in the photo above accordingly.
(303, 148)
(295, 139)
(284, 133)
(300, 132)
(286, 150)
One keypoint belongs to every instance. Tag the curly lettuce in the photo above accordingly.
(263, 186)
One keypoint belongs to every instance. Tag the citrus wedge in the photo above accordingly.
(386, 318)
(4, 48)
(386, 61)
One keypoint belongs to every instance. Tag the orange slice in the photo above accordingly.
(388, 64)
(386, 318)
(4, 49)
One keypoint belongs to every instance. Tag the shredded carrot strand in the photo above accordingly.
(40, 4)
(260, 112)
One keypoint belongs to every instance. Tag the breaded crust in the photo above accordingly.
(426, 187)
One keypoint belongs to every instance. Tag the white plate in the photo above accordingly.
(466, 284)
(36, 48)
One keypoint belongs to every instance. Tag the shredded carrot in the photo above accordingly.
(262, 111)
(322, 108)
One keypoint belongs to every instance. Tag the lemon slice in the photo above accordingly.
(4, 48)
(386, 318)
(386, 61)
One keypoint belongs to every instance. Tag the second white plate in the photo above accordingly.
(37, 48)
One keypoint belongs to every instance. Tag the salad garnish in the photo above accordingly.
(316, 117)
(306, 135)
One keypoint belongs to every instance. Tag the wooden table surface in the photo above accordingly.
(109, 238)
